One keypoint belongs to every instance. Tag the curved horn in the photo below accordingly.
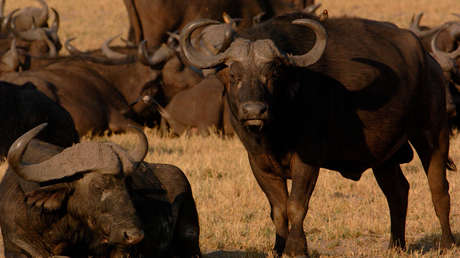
(163, 54)
(317, 50)
(80, 158)
(445, 60)
(128, 43)
(109, 52)
(93, 58)
(43, 18)
(19, 146)
(70, 48)
(456, 14)
(414, 26)
(142, 147)
(6, 23)
(191, 55)
(11, 58)
(56, 22)
(312, 8)
(454, 54)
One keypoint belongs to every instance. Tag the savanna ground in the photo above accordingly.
(345, 218)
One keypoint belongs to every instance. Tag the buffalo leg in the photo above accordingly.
(396, 189)
(275, 189)
(303, 182)
(433, 152)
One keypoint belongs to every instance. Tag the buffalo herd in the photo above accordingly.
(301, 91)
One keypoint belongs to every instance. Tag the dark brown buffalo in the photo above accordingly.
(94, 104)
(24, 107)
(200, 108)
(94, 199)
(151, 19)
(346, 94)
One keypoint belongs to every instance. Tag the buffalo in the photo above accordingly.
(94, 199)
(94, 104)
(24, 107)
(200, 108)
(346, 94)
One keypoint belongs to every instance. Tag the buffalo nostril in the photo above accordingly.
(133, 236)
(254, 109)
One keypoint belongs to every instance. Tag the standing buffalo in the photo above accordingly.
(346, 94)
(94, 199)
(151, 20)
(24, 107)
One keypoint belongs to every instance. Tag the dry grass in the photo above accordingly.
(345, 219)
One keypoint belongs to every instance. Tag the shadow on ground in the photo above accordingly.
(234, 254)
(430, 243)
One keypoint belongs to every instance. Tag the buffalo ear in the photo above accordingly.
(50, 198)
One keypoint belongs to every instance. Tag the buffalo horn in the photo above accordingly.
(456, 15)
(7, 21)
(108, 52)
(415, 27)
(11, 58)
(142, 146)
(106, 158)
(446, 60)
(56, 22)
(312, 8)
(163, 54)
(94, 58)
(128, 43)
(317, 50)
(43, 18)
(191, 54)
(70, 48)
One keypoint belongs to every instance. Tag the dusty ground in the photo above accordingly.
(346, 219)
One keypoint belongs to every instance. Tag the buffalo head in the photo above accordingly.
(257, 69)
(87, 182)
(447, 61)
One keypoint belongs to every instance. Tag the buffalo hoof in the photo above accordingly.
(296, 247)
(397, 244)
(274, 254)
(447, 242)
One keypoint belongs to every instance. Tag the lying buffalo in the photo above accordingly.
(94, 199)
(93, 103)
(200, 108)
(346, 94)
(24, 107)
